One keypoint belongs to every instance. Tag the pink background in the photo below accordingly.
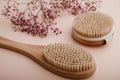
(14, 66)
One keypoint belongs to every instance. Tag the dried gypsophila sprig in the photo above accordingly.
(39, 16)
(32, 23)
(81, 6)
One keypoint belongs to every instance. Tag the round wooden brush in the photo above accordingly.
(92, 28)
(63, 59)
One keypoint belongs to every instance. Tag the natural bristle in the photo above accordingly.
(93, 24)
(68, 57)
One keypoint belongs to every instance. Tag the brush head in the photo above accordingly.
(93, 24)
(69, 58)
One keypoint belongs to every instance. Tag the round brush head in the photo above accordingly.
(69, 58)
(92, 25)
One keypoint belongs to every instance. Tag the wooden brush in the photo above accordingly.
(92, 28)
(62, 59)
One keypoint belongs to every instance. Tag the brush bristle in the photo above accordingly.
(93, 24)
(68, 57)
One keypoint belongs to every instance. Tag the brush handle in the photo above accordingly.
(12, 45)
(28, 50)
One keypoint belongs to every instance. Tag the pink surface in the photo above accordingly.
(14, 66)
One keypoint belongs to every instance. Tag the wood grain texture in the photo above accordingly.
(35, 53)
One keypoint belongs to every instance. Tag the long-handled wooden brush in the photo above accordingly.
(63, 59)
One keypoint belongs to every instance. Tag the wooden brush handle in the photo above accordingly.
(30, 51)
(12, 45)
